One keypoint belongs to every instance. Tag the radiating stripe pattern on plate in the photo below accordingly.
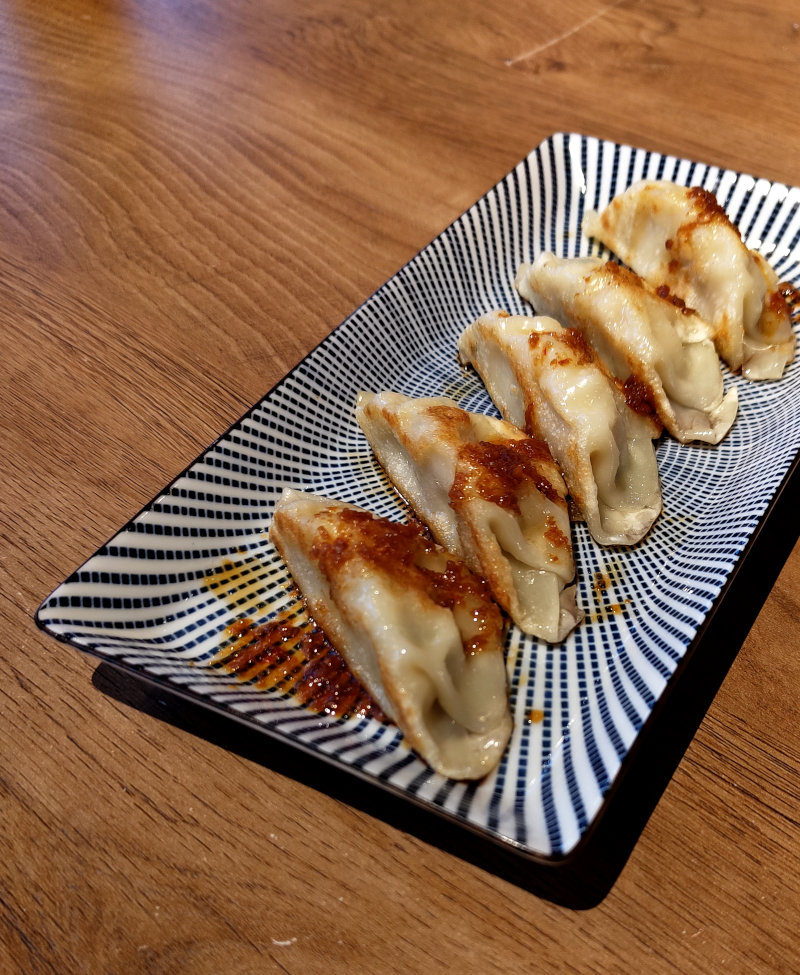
(145, 599)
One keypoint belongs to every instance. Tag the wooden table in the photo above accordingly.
(192, 195)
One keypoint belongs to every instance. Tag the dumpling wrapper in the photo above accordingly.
(681, 238)
(546, 380)
(643, 338)
(417, 628)
(489, 493)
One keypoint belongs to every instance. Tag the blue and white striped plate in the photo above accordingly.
(148, 600)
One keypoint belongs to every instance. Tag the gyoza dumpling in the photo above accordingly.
(681, 238)
(641, 336)
(488, 493)
(546, 380)
(417, 628)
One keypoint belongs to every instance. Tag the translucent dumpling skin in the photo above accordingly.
(642, 336)
(489, 493)
(414, 624)
(681, 238)
(546, 380)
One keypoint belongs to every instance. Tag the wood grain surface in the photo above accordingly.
(192, 194)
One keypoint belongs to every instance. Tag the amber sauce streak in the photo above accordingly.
(238, 583)
(289, 652)
(600, 584)
(295, 658)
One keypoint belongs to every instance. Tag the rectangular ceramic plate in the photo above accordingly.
(157, 598)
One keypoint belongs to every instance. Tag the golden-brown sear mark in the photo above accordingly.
(707, 208)
(664, 292)
(639, 397)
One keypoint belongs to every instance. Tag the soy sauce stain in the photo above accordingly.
(294, 656)
(601, 583)
(288, 653)
(609, 610)
(238, 583)
(535, 716)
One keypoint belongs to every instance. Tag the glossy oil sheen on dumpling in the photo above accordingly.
(546, 380)
(489, 493)
(414, 624)
(681, 237)
(646, 340)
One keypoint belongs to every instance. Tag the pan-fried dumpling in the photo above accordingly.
(546, 380)
(417, 628)
(681, 238)
(488, 493)
(641, 336)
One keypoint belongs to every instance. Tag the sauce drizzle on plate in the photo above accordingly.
(296, 658)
